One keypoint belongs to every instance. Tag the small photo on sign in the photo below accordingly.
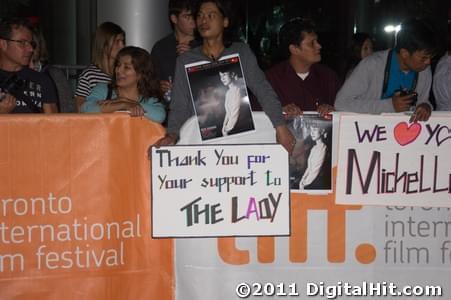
(220, 99)
(311, 160)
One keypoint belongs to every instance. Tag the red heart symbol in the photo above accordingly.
(405, 133)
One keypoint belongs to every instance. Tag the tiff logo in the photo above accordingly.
(300, 206)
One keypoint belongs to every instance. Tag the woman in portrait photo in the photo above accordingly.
(216, 28)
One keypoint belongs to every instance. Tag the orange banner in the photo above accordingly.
(75, 209)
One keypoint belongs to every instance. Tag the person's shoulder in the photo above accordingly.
(324, 71)
(322, 67)
(193, 55)
(4, 73)
(99, 92)
(377, 57)
(196, 42)
(91, 70)
(152, 100)
(167, 38)
(101, 86)
(93, 75)
(242, 49)
(239, 47)
(278, 68)
(86, 71)
(26, 71)
(55, 71)
(163, 42)
(445, 60)
(30, 74)
(443, 67)
(373, 64)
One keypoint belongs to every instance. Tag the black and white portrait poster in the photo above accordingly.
(220, 99)
(311, 160)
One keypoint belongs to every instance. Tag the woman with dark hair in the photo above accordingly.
(134, 88)
(361, 47)
(109, 39)
(215, 25)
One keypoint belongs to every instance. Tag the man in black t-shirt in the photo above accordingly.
(22, 90)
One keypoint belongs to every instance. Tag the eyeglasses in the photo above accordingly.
(187, 17)
(22, 43)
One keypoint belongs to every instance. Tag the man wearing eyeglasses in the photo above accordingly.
(22, 90)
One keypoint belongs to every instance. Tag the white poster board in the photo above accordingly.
(385, 160)
(220, 190)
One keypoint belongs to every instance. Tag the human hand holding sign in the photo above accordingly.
(292, 110)
(285, 138)
(422, 113)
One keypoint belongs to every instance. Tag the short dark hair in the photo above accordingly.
(355, 50)
(9, 23)
(176, 7)
(357, 41)
(417, 35)
(225, 8)
(292, 33)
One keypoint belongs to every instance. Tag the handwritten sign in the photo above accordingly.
(385, 160)
(220, 190)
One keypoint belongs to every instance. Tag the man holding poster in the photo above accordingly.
(214, 22)
(394, 80)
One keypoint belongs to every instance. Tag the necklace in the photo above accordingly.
(213, 54)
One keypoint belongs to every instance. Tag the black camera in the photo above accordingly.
(12, 85)
(405, 92)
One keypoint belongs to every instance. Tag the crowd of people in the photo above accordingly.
(154, 85)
